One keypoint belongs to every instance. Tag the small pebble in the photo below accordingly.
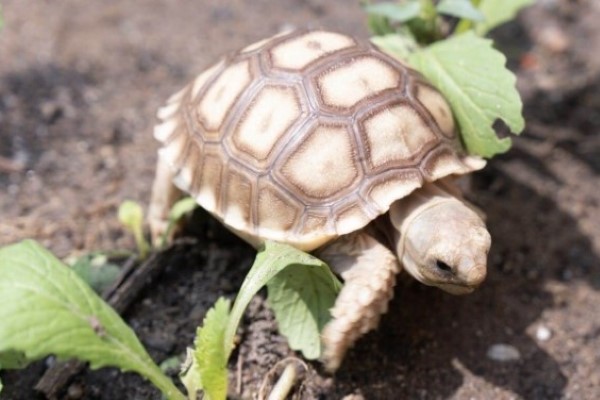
(554, 39)
(161, 340)
(503, 353)
(197, 313)
(353, 396)
(75, 392)
(543, 333)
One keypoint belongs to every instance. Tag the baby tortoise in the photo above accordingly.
(315, 139)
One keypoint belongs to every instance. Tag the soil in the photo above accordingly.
(79, 86)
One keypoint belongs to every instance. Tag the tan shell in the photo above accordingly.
(307, 136)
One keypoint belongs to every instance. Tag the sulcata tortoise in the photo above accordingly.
(315, 139)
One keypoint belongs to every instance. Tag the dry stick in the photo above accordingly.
(238, 386)
(119, 295)
(286, 381)
(284, 385)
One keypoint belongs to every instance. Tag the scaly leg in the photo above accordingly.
(369, 271)
(164, 195)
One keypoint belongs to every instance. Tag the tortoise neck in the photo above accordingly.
(404, 211)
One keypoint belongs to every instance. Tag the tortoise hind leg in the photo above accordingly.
(164, 195)
(369, 271)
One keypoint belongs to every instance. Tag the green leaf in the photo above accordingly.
(301, 297)
(400, 12)
(96, 271)
(379, 25)
(181, 208)
(209, 356)
(170, 365)
(473, 77)
(272, 259)
(398, 45)
(206, 366)
(190, 375)
(131, 216)
(45, 308)
(178, 211)
(12, 360)
(460, 9)
(497, 12)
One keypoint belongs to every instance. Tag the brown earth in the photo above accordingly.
(79, 86)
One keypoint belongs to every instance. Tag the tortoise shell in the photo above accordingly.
(306, 136)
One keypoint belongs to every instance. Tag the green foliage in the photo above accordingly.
(12, 360)
(460, 9)
(131, 216)
(498, 12)
(96, 271)
(214, 342)
(47, 309)
(301, 296)
(208, 369)
(470, 73)
(400, 12)
(170, 365)
(400, 46)
(179, 210)
(271, 260)
(472, 76)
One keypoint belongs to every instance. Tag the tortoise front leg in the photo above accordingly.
(164, 195)
(369, 271)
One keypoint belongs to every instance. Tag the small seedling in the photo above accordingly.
(96, 270)
(131, 216)
(214, 340)
(179, 210)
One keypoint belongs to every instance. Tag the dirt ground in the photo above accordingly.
(79, 86)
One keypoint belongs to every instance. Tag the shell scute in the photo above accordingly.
(307, 136)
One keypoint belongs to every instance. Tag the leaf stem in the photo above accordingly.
(163, 382)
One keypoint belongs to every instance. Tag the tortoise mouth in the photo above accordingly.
(456, 288)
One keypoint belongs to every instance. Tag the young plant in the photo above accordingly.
(461, 64)
(34, 284)
(131, 217)
(48, 309)
(179, 210)
(96, 270)
(275, 264)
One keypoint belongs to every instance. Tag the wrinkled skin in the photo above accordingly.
(438, 238)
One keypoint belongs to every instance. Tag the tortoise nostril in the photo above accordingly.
(443, 266)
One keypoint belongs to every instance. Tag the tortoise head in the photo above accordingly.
(442, 242)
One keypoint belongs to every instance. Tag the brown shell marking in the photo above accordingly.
(307, 136)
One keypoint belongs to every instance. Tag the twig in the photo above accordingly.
(238, 386)
(286, 381)
(120, 295)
